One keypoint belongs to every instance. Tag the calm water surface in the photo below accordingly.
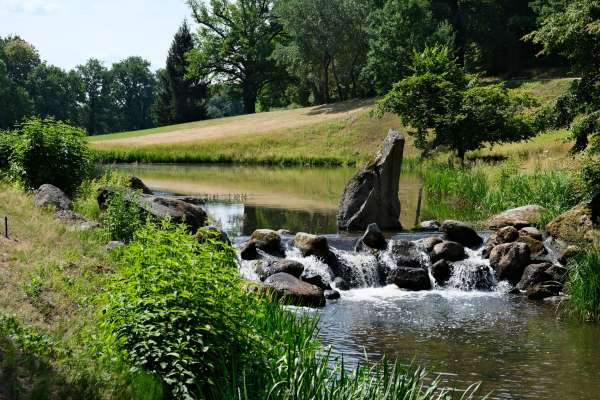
(517, 348)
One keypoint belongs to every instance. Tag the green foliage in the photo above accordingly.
(15, 103)
(584, 285)
(590, 176)
(235, 42)
(473, 195)
(446, 108)
(20, 58)
(47, 151)
(123, 217)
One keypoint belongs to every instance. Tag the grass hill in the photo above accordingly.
(335, 134)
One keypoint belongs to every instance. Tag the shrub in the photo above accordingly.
(590, 176)
(122, 218)
(584, 285)
(47, 151)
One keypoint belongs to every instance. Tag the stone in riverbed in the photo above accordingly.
(537, 248)
(135, 183)
(531, 232)
(212, 232)
(371, 196)
(316, 279)
(293, 291)
(372, 239)
(430, 242)
(414, 279)
(268, 241)
(509, 260)
(518, 217)
(449, 251)
(558, 273)
(568, 254)
(49, 195)
(534, 274)
(578, 225)
(429, 226)
(332, 294)
(405, 254)
(340, 284)
(462, 233)
(293, 268)
(441, 272)
(544, 290)
(312, 245)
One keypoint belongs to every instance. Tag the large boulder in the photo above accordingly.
(517, 217)
(449, 251)
(534, 274)
(405, 253)
(371, 196)
(50, 196)
(411, 278)
(314, 278)
(293, 291)
(372, 239)
(291, 267)
(430, 242)
(135, 183)
(578, 225)
(532, 232)
(538, 250)
(268, 241)
(462, 233)
(312, 245)
(441, 272)
(509, 260)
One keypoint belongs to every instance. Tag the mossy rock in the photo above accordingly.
(575, 227)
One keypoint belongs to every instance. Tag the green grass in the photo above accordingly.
(584, 285)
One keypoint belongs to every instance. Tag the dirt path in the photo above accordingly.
(248, 125)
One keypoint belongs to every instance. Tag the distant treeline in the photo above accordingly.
(250, 55)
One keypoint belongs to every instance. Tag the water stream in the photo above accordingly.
(518, 348)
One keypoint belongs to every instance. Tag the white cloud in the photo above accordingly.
(32, 7)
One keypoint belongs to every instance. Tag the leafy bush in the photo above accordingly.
(7, 140)
(584, 285)
(122, 218)
(590, 176)
(447, 107)
(47, 151)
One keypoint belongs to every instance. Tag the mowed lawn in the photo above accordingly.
(337, 134)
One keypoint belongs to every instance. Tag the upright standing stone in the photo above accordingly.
(371, 196)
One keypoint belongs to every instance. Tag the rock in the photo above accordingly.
(371, 196)
(430, 242)
(372, 239)
(312, 245)
(249, 252)
(177, 211)
(332, 294)
(135, 183)
(542, 291)
(411, 278)
(285, 232)
(293, 291)
(517, 217)
(509, 260)
(212, 232)
(405, 254)
(556, 300)
(340, 284)
(531, 232)
(576, 226)
(77, 221)
(570, 253)
(557, 273)
(462, 233)
(293, 268)
(534, 274)
(112, 245)
(487, 251)
(508, 234)
(429, 226)
(268, 241)
(316, 279)
(449, 251)
(49, 195)
(197, 201)
(441, 271)
(537, 248)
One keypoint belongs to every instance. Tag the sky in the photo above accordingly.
(69, 32)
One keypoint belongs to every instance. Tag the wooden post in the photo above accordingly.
(6, 227)
(418, 216)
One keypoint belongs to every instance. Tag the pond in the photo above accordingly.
(519, 349)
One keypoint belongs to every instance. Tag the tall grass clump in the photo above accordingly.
(476, 194)
(179, 311)
(584, 285)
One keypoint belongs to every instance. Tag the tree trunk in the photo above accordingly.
(250, 94)
(341, 95)
(325, 88)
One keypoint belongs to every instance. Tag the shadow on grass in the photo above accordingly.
(334, 108)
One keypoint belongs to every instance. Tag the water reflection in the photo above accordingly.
(296, 199)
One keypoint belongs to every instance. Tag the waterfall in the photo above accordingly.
(474, 273)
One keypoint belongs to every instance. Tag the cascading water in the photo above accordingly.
(473, 273)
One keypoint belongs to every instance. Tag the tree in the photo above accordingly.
(98, 113)
(189, 94)
(328, 44)
(446, 108)
(162, 110)
(572, 29)
(397, 29)
(15, 103)
(133, 93)
(56, 93)
(235, 43)
(20, 58)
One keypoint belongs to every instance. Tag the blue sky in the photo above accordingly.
(68, 32)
